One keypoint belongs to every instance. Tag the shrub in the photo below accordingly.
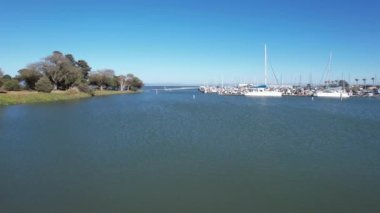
(30, 77)
(7, 77)
(73, 91)
(86, 89)
(11, 85)
(44, 85)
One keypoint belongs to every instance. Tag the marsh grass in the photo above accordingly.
(26, 97)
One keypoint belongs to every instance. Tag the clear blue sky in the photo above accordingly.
(195, 41)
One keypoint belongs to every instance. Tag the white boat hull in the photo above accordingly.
(332, 95)
(263, 94)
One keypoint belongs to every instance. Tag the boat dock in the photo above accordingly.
(295, 91)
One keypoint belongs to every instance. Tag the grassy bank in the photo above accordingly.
(26, 97)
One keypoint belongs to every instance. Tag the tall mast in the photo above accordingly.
(265, 62)
(329, 69)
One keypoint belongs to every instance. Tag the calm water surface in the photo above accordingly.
(171, 153)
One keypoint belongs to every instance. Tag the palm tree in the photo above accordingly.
(373, 81)
(356, 81)
(364, 82)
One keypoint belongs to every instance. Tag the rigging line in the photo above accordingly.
(274, 74)
(325, 73)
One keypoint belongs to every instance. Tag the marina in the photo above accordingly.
(298, 91)
(338, 89)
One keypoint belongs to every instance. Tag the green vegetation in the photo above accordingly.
(66, 78)
(113, 92)
(103, 78)
(25, 97)
(7, 83)
(11, 85)
(30, 76)
(44, 85)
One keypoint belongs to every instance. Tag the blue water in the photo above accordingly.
(172, 153)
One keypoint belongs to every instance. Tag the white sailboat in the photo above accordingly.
(332, 92)
(263, 90)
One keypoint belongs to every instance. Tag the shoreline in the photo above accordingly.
(29, 97)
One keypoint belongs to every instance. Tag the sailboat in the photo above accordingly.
(332, 92)
(263, 90)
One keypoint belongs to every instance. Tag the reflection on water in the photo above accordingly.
(172, 153)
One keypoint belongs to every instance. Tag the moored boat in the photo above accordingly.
(330, 93)
(263, 90)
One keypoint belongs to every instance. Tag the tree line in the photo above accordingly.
(62, 72)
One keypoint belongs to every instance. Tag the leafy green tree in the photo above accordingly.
(81, 64)
(133, 82)
(57, 52)
(71, 76)
(115, 82)
(60, 70)
(7, 77)
(44, 85)
(30, 76)
(1, 77)
(85, 68)
(137, 83)
(102, 78)
(11, 85)
(50, 66)
(129, 81)
(5, 84)
(70, 57)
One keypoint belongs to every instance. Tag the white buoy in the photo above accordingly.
(194, 97)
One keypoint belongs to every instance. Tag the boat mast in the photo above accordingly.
(222, 81)
(265, 62)
(329, 69)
